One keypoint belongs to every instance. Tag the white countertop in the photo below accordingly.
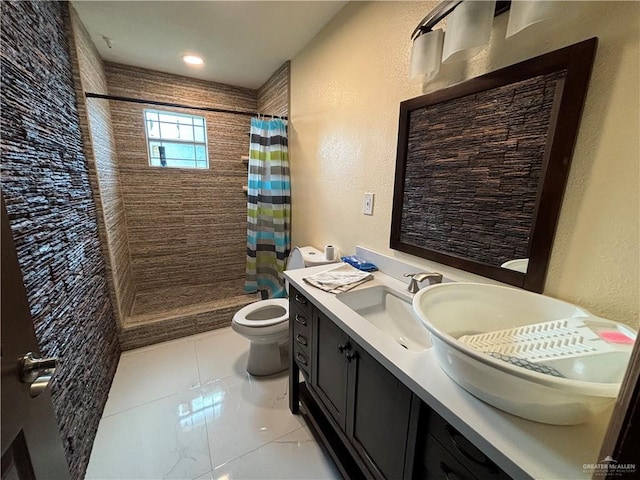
(522, 448)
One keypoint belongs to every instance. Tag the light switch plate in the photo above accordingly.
(367, 205)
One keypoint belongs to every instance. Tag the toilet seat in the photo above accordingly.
(258, 314)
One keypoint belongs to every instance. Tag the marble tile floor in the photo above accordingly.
(187, 409)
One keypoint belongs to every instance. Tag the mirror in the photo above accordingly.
(481, 167)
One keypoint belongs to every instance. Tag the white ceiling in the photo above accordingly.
(242, 42)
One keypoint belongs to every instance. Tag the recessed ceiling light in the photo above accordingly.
(192, 60)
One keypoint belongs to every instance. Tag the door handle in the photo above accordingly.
(37, 372)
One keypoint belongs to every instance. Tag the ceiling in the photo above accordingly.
(242, 42)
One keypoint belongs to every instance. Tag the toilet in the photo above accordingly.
(265, 323)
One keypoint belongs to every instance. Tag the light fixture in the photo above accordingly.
(426, 55)
(466, 34)
(468, 30)
(192, 60)
(526, 13)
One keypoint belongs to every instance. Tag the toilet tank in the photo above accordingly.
(301, 257)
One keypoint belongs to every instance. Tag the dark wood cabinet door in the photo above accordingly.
(379, 421)
(330, 366)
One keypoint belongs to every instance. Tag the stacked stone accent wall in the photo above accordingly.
(473, 169)
(53, 218)
(273, 96)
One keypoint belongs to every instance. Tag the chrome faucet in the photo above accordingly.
(421, 277)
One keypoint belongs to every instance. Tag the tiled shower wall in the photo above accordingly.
(100, 150)
(53, 218)
(273, 96)
(186, 227)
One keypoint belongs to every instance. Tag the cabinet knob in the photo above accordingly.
(351, 355)
(343, 347)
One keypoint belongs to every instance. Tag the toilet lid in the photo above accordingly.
(263, 313)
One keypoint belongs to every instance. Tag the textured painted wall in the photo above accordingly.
(346, 87)
(186, 227)
(100, 150)
(273, 96)
(53, 217)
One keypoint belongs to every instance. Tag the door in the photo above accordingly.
(331, 345)
(31, 445)
(375, 393)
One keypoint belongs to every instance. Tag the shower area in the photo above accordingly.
(174, 239)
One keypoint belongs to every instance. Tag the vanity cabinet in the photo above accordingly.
(372, 425)
(368, 408)
(369, 404)
(443, 452)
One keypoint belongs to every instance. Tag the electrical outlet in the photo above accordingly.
(367, 206)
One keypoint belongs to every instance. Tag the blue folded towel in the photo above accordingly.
(359, 263)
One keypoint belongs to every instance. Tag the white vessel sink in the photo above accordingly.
(588, 385)
(391, 311)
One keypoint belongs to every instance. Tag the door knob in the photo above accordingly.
(37, 372)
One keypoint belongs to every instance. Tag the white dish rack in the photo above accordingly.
(578, 348)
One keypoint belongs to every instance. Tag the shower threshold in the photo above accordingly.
(169, 313)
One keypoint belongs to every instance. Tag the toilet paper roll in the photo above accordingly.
(330, 252)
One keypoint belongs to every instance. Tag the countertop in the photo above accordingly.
(522, 448)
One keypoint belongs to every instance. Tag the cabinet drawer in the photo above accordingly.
(439, 464)
(298, 301)
(302, 341)
(463, 450)
(301, 321)
(302, 359)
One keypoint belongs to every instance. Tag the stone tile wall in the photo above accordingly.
(100, 151)
(53, 218)
(450, 161)
(274, 95)
(186, 227)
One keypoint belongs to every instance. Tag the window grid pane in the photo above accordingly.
(182, 137)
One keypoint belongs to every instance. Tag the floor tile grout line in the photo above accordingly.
(257, 448)
(200, 385)
(206, 424)
(164, 397)
(152, 348)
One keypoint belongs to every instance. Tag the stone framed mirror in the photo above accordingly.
(482, 166)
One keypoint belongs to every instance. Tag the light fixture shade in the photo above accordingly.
(426, 55)
(525, 13)
(468, 30)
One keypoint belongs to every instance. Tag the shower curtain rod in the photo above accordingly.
(178, 105)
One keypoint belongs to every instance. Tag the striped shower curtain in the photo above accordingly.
(268, 207)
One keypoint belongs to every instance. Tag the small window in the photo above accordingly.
(176, 140)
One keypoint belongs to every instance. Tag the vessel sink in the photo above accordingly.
(513, 326)
(391, 311)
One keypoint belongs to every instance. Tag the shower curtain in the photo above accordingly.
(268, 207)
